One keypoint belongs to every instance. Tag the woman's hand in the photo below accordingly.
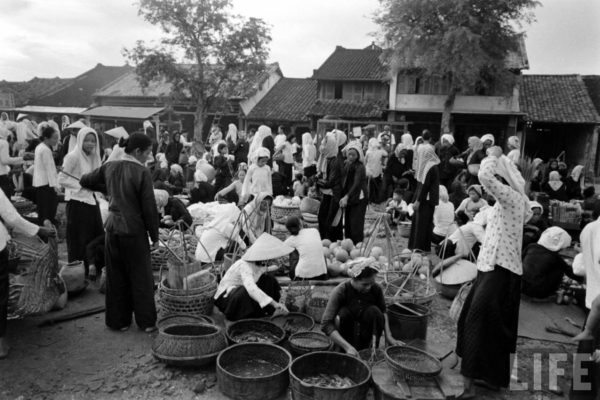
(344, 202)
(416, 205)
(45, 233)
(352, 351)
(280, 309)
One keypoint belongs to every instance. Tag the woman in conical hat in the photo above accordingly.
(246, 291)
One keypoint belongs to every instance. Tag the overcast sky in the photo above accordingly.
(48, 38)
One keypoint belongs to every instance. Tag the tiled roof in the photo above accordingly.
(129, 86)
(347, 109)
(78, 91)
(25, 92)
(289, 100)
(592, 83)
(557, 98)
(353, 65)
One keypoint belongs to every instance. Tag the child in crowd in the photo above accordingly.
(223, 167)
(443, 217)
(299, 186)
(397, 207)
(472, 204)
(258, 177)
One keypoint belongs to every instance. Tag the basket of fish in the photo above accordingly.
(255, 331)
(294, 322)
(253, 371)
(308, 342)
(329, 375)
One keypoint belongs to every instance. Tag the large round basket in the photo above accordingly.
(416, 290)
(294, 322)
(255, 331)
(280, 214)
(412, 364)
(197, 301)
(314, 225)
(184, 320)
(280, 233)
(309, 206)
(329, 363)
(188, 345)
(253, 371)
(308, 342)
(370, 357)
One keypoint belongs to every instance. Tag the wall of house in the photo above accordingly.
(248, 104)
(545, 140)
(353, 91)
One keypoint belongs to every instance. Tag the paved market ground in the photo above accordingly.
(82, 359)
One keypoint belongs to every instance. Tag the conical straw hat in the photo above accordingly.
(267, 247)
(118, 132)
(76, 125)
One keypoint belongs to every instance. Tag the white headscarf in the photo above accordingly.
(444, 197)
(555, 239)
(177, 168)
(488, 136)
(340, 137)
(4, 133)
(448, 137)
(509, 171)
(425, 159)
(83, 163)
(263, 132)
(576, 172)
(263, 152)
(554, 180)
(328, 149)
(373, 144)
(232, 133)
(356, 146)
(406, 142)
(535, 204)
(200, 176)
(309, 151)
(514, 142)
(162, 198)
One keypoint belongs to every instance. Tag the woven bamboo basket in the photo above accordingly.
(316, 304)
(370, 357)
(39, 285)
(411, 364)
(280, 234)
(279, 213)
(307, 342)
(24, 206)
(294, 322)
(184, 319)
(158, 258)
(311, 225)
(263, 331)
(189, 344)
(404, 229)
(197, 301)
(416, 290)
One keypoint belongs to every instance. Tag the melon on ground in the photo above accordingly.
(354, 253)
(326, 242)
(341, 255)
(333, 246)
(347, 245)
(376, 252)
(327, 252)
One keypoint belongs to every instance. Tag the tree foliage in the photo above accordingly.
(465, 41)
(207, 52)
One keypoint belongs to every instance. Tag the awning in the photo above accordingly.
(50, 110)
(122, 112)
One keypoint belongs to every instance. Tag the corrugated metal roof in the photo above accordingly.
(123, 112)
(289, 100)
(558, 99)
(50, 110)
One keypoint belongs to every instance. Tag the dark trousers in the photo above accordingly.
(84, 224)
(3, 291)
(47, 203)
(311, 171)
(327, 211)
(129, 282)
(7, 186)
(359, 329)
(354, 223)
(286, 170)
(375, 186)
(239, 305)
(488, 326)
(585, 349)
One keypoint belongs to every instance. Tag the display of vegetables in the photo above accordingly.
(255, 337)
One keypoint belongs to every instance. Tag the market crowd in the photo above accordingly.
(464, 204)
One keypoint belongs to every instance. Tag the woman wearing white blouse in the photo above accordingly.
(488, 324)
(6, 161)
(45, 177)
(84, 222)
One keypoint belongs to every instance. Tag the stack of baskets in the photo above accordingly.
(197, 301)
(415, 290)
(412, 365)
(309, 209)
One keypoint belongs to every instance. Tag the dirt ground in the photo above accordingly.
(83, 359)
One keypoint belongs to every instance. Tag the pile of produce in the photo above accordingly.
(569, 291)
(282, 201)
(254, 368)
(339, 254)
(333, 381)
(418, 265)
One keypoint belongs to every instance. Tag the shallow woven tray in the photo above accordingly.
(306, 342)
(412, 364)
